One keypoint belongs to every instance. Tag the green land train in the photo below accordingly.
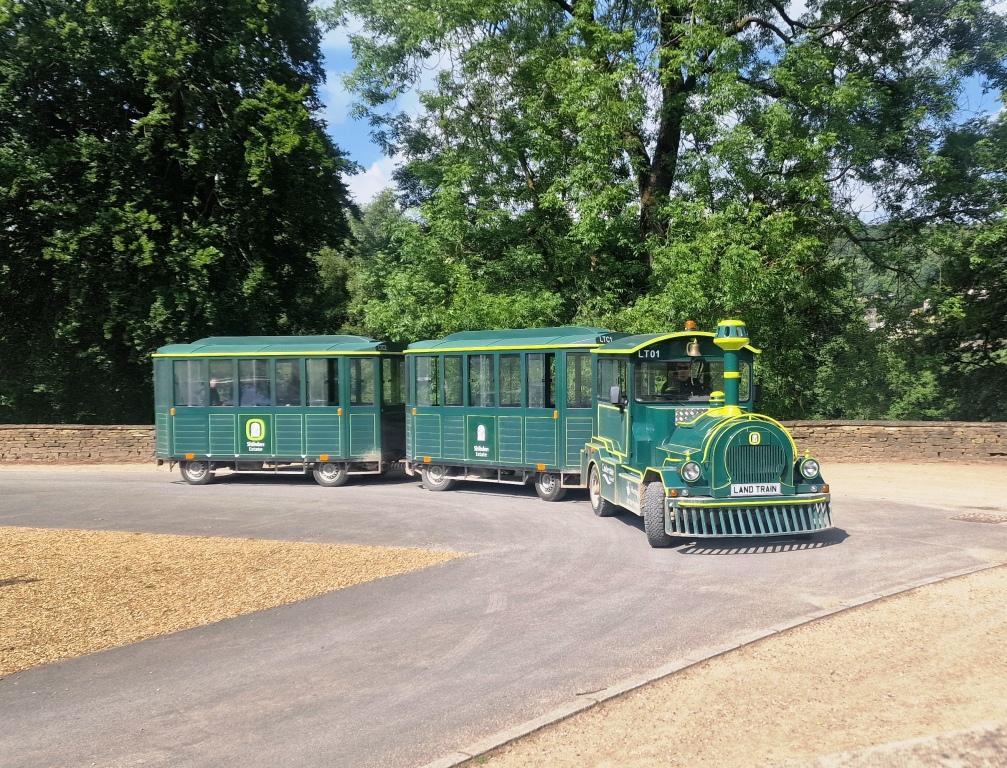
(661, 425)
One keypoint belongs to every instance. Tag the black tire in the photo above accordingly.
(601, 506)
(196, 472)
(329, 474)
(435, 478)
(548, 487)
(653, 515)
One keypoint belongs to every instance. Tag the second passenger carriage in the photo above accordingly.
(502, 406)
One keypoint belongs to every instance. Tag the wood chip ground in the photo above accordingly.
(64, 593)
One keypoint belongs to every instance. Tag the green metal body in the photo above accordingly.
(361, 424)
(519, 429)
(743, 456)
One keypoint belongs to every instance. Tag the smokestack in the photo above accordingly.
(731, 336)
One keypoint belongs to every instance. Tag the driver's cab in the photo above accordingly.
(649, 384)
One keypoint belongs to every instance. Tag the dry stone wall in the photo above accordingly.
(863, 441)
(75, 444)
(849, 441)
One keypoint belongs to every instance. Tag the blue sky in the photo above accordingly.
(353, 136)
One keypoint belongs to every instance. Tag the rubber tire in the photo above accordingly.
(440, 481)
(602, 507)
(653, 515)
(330, 480)
(199, 479)
(552, 492)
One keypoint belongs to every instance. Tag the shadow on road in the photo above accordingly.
(773, 546)
(297, 478)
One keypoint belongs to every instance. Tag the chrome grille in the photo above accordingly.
(765, 520)
(756, 463)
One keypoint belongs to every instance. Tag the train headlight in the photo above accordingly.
(809, 468)
(691, 471)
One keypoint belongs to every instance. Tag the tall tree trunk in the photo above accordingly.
(657, 181)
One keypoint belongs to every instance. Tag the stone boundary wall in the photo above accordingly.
(863, 441)
(852, 441)
(75, 444)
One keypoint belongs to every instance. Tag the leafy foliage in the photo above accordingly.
(641, 162)
(162, 176)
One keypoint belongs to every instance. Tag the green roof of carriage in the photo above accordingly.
(277, 346)
(562, 337)
(629, 344)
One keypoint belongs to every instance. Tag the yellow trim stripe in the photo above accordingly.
(498, 349)
(363, 353)
(766, 502)
(732, 374)
(666, 337)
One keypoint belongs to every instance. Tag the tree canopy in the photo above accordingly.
(636, 163)
(163, 175)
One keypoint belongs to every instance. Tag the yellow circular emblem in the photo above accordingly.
(754, 438)
(255, 430)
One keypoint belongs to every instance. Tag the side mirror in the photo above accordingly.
(615, 395)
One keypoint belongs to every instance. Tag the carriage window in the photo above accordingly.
(482, 392)
(744, 389)
(323, 382)
(362, 381)
(427, 389)
(453, 380)
(288, 382)
(610, 373)
(221, 382)
(542, 380)
(578, 380)
(253, 376)
(510, 380)
(189, 389)
(392, 380)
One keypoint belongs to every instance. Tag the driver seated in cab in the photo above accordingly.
(679, 381)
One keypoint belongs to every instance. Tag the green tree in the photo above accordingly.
(639, 162)
(163, 176)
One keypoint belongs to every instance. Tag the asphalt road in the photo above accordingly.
(554, 603)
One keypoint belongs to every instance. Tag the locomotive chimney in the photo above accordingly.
(731, 336)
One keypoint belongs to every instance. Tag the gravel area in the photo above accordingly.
(925, 662)
(65, 593)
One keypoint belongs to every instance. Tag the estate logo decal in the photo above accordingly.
(255, 435)
(608, 472)
(480, 434)
(481, 449)
(754, 438)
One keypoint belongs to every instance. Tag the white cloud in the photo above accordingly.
(365, 186)
(338, 39)
(336, 98)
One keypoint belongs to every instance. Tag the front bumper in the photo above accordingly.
(767, 516)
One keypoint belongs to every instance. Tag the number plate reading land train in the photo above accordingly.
(755, 489)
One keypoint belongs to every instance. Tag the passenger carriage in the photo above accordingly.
(504, 406)
(331, 405)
